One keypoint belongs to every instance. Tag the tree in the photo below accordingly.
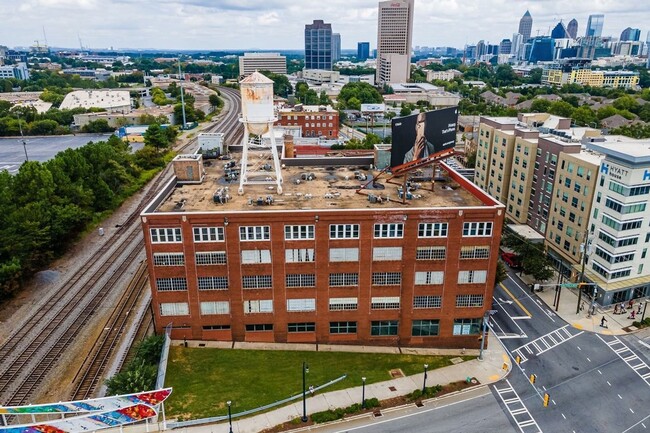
(155, 137)
(584, 116)
(323, 99)
(405, 111)
(281, 85)
(352, 95)
(540, 105)
(97, 126)
(502, 273)
(215, 101)
(534, 260)
(561, 108)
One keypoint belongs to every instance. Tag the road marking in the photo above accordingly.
(498, 329)
(600, 372)
(629, 357)
(525, 292)
(563, 416)
(631, 410)
(609, 383)
(517, 409)
(619, 396)
(542, 344)
(516, 300)
(588, 359)
(554, 403)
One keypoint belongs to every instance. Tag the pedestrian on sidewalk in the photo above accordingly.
(630, 304)
(631, 316)
(603, 322)
(638, 310)
(616, 309)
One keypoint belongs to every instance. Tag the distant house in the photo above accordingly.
(615, 121)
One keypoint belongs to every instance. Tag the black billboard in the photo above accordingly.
(423, 134)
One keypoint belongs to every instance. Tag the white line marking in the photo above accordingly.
(609, 383)
(631, 410)
(588, 359)
(619, 396)
(563, 416)
(600, 372)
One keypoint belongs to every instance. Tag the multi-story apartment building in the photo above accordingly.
(272, 62)
(578, 71)
(322, 263)
(313, 120)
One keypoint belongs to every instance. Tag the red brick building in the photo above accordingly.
(322, 263)
(314, 120)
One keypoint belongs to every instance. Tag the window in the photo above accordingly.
(393, 230)
(380, 254)
(628, 191)
(344, 231)
(301, 304)
(166, 236)
(301, 327)
(425, 328)
(211, 258)
(343, 327)
(171, 284)
(213, 283)
(386, 278)
(258, 306)
(429, 277)
(344, 254)
(427, 301)
(430, 253)
(168, 259)
(254, 233)
(174, 309)
(472, 277)
(620, 258)
(259, 327)
(215, 307)
(475, 252)
(298, 232)
(344, 279)
(432, 230)
(216, 327)
(208, 234)
(300, 280)
(255, 256)
(469, 301)
(467, 326)
(299, 255)
(610, 275)
(256, 282)
(477, 229)
(383, 327)
(621, 226)
(342, 304)
(385, 303)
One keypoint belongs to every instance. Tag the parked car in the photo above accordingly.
(511, 259)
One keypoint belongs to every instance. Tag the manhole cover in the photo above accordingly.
(396, 372)
(392, 388)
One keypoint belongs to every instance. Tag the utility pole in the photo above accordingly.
(20, 126)
(180, 80)
(584, 249)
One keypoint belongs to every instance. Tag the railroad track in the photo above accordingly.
(33, 350)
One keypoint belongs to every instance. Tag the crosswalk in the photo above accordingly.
(517, 408)
(629, 357)
(545, 343)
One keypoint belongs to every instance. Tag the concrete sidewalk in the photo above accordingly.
(494, 366)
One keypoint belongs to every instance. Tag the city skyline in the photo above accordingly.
(205, 25)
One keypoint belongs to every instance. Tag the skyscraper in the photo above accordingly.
(595, 25)
(559, 31)
(363, 51)
(505, 47)
(572, 28)
(318, 45)
(630, 34)
(336, 47)
(526, 26)
(394, 37)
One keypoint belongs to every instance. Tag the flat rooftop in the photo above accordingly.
(331, 187)
(623, 148)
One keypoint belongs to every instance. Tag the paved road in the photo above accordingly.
(596, 383)
(12, 153)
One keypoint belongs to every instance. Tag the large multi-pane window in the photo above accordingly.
(389, 230)
(383, 327)
(475, 252)
(258, 306)
(425, 328)
(256, 282)
(432, 230)
(429, 277)
(259, 327)
(344, 231)
(308, 304)
(467, 326)
(255, 256)
(215, 307)
(166, 235)
(344, 254)
(340, 279)
(298, 232)
(472, 277)
(427, 301)
(469, 300)
(386, 253)
(300, 280)
(299, 255)
(386, 278)
(174, 309)
(477, 229)
(171, 284)
(254, 233)
(431, 253)
(213, 283)
(621, 225)
(301, 327)
(208, 234)
(211, 258)
(384, 303)
(343, 304)
(168, 259)
(343, 327)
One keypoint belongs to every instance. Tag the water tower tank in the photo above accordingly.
(257, 102)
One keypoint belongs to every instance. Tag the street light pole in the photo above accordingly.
(305, 370)
(424, 383)
(229, 416)
(644, 307)
(363, 393)
(583, 247)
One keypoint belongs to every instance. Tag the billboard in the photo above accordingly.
(423, 134)
(373, 108)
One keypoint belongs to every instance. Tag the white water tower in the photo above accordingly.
(258, 119)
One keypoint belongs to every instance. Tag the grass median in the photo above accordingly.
(204, 379)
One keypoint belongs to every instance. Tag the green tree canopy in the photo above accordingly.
(359, 93)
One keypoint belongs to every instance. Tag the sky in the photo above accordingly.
(279, 24)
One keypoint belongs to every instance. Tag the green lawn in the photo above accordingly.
(204, 379)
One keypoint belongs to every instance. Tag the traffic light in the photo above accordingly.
(546, 399)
